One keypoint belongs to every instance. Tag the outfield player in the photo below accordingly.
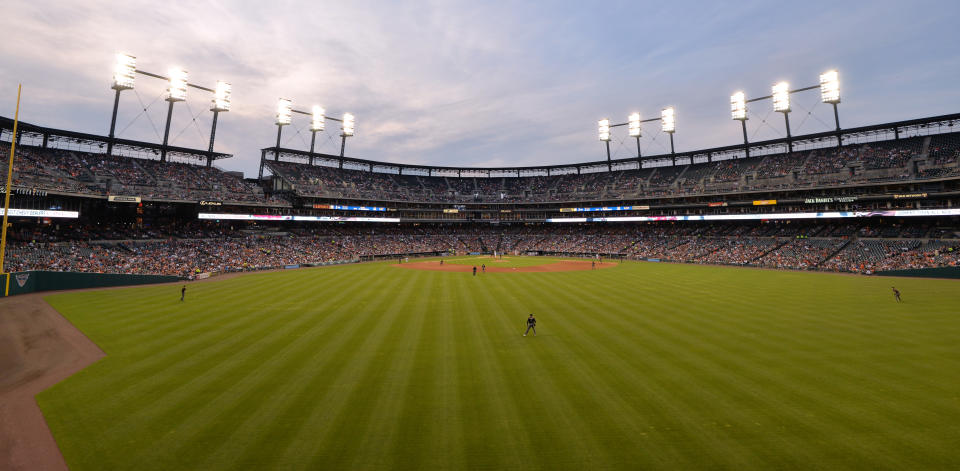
(183, 292)
(896, 294)
(531, 324)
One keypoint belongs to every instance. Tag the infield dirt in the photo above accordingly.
(564, 265)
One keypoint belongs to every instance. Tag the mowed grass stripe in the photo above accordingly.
(575, 427)
(496, 421)
(227, 363)
(278, 420)
(577, 329)
(638, 366)
(719, 373)
(248, 382)
(217, 333)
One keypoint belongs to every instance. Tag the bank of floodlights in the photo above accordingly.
(284, 112)
(830, 87)
(177, 85)
(738, 106)
(780, 95)
(668, 123)
(633, 125)
(348, 125)
(221, 97)
(317, 119)
(124, 78)
(830, 93)
(124, 72)
(603, 129)
(633, 129)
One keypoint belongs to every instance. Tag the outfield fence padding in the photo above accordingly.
(939, 272)
(33, 281)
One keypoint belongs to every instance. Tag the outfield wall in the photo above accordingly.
(32, 281)
(939, 272)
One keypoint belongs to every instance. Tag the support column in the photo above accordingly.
(609, 165)
(276, 149)
(213, 135)
(113, 121)
(786, 120)
(746, 143)
(166, 133)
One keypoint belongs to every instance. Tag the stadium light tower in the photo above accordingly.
(738, 111)
(284, 117)
(221, 103)
(347, 129)
(176, 91)
(830, 93)
(124, 74)
(603, 130)
(781, 104)
(668, 123)
(317, 121)
(633, 128)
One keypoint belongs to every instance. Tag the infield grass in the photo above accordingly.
(638, 366)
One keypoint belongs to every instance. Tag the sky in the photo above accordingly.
(465, 83)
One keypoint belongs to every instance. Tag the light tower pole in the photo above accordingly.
(317, 122)
(221, 102)
(347, 128)
(830, 93)
(668, 123)
(603, 128)
(738, 111)
(633, 128)
(781, 104)
(124, 74)
(176, 91)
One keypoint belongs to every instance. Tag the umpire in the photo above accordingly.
(531, 324)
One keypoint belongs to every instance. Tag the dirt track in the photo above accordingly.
(38, 348)
(565, 265)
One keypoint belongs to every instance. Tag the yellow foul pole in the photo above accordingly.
(6, 201)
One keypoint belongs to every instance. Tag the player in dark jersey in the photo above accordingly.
(183, 292)
(474, 270)
(531, 324)
(896, 294)
(483, 268)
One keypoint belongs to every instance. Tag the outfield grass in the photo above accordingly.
(638, 366)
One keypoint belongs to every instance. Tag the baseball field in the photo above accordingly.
(635, 366)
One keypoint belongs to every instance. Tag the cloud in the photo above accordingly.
(467, 83)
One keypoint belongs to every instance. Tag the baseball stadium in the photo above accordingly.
(786, 297)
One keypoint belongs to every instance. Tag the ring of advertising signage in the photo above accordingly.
(757, 217)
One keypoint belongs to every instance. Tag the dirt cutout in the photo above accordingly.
(38, 348)
(564, 265)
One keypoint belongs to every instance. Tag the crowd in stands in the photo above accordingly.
(937, 157)
(101, 175)
(188, 249)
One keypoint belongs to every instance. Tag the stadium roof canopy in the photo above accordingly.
(865, 134)
(31, 134)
